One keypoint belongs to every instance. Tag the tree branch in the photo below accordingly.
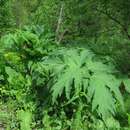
(59, 24)
(117, 21)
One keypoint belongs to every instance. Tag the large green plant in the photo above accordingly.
(75, 72)
(17, 51)
(80, 86)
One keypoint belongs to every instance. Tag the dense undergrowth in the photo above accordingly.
(65, 64)
(45, 86)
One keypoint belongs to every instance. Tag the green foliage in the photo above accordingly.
(25, 117)
(48, 86)
(17, 52)
(111, 46)
(47, 121)
(68, 71)
(37, 76)
(76, 72)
